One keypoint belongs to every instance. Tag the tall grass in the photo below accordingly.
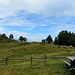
(54, 66)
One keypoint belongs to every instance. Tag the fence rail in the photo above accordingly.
(57, 56)
(32, 58)
(18, 58)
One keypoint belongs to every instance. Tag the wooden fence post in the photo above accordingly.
(31, 59)
(45, 59)
(6, 61)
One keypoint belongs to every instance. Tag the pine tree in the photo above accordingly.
(49, 39)
(11, 36)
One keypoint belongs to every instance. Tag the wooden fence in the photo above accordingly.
(31, 58)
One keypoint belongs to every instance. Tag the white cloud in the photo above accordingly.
(49, 10)
(4, 2)
(45, 7)
(2, 29)
(30, 37)
(63, 26)
(36, 37)
(16, 34)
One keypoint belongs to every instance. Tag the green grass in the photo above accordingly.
(54, 66)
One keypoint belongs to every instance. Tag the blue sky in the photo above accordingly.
(36, 19)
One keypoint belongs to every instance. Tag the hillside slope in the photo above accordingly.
(23, 67)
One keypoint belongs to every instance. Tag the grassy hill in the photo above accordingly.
(16, 49)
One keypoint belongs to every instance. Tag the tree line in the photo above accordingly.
(63, 38)
(11, 37)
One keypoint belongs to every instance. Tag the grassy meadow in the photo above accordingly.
(54, 66)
